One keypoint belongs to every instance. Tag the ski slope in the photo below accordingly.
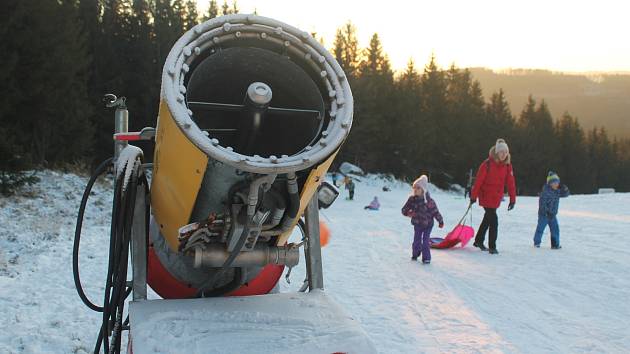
(524, 300)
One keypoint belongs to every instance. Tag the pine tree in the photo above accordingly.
(464, 124)
(213, 11)
(177, 17)
(47, 110)
(433, 105)
(114, 44)
(346, 49)
(623, 165)
(141, 74)
(375, 61)
(226, 8)
(372, 89)
(13, 161)
(573, 155)
(13, 165)
(407, 109)
(373, 95)
(537, 150)
(601, 158)
(500, 119)
(168, 26)
(191, 18)
(89, 15)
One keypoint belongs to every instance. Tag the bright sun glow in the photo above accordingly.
(554, 34)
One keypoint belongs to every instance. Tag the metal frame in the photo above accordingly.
(313, 246)
(139, 247)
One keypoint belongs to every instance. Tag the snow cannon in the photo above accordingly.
(252, 114)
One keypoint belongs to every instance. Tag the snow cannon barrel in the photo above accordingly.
(252, 113)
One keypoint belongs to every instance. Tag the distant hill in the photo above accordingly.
(595, 99)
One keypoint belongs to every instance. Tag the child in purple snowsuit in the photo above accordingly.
(421, 208)
(374, 205)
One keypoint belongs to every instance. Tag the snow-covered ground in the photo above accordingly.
(525, 300)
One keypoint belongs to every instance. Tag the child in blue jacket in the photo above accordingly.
(548, 209)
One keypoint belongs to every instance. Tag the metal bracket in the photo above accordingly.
(147, 133)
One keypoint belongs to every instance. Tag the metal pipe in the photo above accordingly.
(214, 255)
(256, 104)
(121, 125)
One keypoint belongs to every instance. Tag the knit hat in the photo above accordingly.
(422, 182)
(552, 177)
(501, 145)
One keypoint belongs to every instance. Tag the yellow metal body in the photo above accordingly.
(311, 185)
(178, 169)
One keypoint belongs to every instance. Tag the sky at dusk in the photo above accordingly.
(559, 35)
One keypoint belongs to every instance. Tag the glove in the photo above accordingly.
(511, 206)
(473, 201)
(441, 225)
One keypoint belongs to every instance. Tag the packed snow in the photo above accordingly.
(305, 323)
(524, 300)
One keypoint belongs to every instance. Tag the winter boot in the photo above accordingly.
(426, 261)
(556, 247)
(414, 258)
(480, 246)
(494, 251)
(537, 246)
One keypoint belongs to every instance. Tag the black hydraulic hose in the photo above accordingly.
(116, 290)
(99, 341)
(294, 205)
(110, 266)
(121, 282)
(294, 197)
(102, 168)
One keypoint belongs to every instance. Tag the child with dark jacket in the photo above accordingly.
(422, 210)
(548, 210)
(350, 187)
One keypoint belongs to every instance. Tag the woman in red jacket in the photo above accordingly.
(492, 177)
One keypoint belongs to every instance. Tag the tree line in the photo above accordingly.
(597, 99)
(438, 121)
(61, 56)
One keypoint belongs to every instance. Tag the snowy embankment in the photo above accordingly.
(524, 300)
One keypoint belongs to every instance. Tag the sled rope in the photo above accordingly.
(461, 221)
